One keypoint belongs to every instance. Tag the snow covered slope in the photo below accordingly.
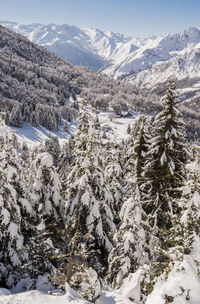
(162, 48)
(115, 129)
(181, 287)
(147, 62)
(90, 47)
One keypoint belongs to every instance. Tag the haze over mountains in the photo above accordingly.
(147, 62)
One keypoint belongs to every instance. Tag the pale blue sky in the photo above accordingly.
(136, 18)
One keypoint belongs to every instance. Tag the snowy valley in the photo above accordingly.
(100, 178)
(147, 62)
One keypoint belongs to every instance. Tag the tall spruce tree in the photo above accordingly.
(165, 165)
(52, 146)
(114, 179)
(132, 242)
(139, 150)
(135, 157)
(15, 118)
(45, 196)
(12, 255)
(162, 191)
(88, 201)
(19, 254)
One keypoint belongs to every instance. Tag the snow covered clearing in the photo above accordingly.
(112, 298)
(118, 125)
(34, 135)
(71, 297)
(115, 127)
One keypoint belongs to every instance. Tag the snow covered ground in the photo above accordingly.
(117, 124)
(181, 287)
(117, 129)
(39, 297)
(35, 135)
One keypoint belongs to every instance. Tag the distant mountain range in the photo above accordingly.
(146, 62)
(31, 76)
(91, 47)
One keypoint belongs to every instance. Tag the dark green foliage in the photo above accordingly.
(166, 158)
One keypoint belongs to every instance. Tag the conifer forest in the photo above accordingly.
(93, 215)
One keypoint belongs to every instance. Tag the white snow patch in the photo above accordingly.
(107, 297)
(35, 135)
(39, 297)
(118, 125)
(131, 286)
(183, 284)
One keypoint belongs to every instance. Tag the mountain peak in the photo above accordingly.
(116, 54)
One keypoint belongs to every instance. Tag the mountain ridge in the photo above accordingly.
(85, 44)
(147, 62)
(33, 79)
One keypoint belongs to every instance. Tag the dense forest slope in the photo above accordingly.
(41, 88)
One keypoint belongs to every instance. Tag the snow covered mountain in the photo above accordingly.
(156, 50)
(146, 62)
(90, 47)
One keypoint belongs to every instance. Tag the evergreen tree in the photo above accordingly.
(12, 255)
(16, 117)
(20, 239)
(88, 201)
(114, 180)
(52, 124)
(41, 227)
(52, 146)
(162, 191)
(25, 152)
(46, 198)
(129, 129)
(34, 119)
(66, 126)
(165, 166)
(66, 159)
(71, 144)
(7, 118)
(26, 113)
(139, 150)
(132, 242)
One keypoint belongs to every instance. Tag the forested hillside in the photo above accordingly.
(95, 214)
(110, 219)
(41, 88)
(145, 62)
